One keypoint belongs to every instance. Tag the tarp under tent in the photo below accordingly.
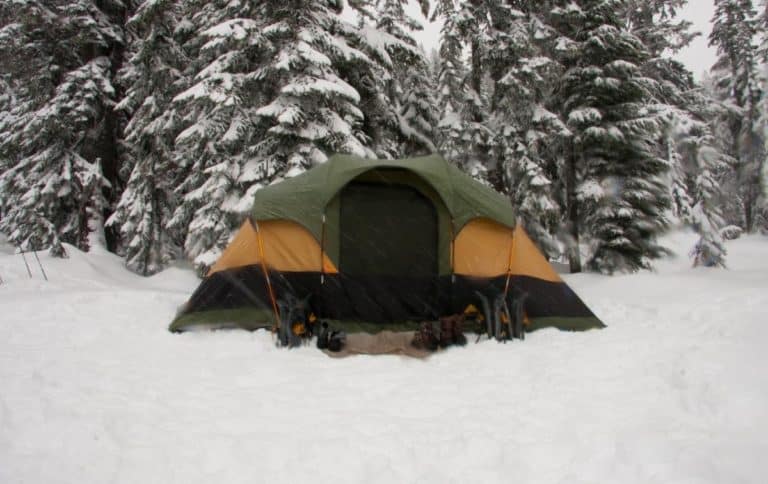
(380, 244)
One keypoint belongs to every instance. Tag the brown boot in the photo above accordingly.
(446, 331)
(452, 330)
(458, 330)
(425, 337)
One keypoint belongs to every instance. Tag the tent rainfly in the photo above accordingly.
(380, 244)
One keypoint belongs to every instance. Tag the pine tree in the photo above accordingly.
(216, 112)
(710, 249)
(465, 137)
(392, 85)
(700, 198)
(762, 23)
(478, 139)
(529, 134)
(657, 24)
(61, 130)
(408, 87)
(418, 112)
(154, 75)
(7, 100)
(763, 52)
(736, 79)
(685, 140)
(451, 74)
(622, 194)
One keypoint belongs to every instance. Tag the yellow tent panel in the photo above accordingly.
(286, 246)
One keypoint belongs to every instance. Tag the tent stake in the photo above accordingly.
(25, 263)
(40, 264)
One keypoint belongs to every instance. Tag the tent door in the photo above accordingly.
(389, 244)
(387, 230)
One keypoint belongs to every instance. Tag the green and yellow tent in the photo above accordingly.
(379, 244)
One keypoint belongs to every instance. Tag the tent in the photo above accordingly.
(379, 244)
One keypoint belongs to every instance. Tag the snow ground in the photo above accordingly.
(93, 389)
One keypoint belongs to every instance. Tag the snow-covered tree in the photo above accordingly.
(475, 22)
(7, 100)
(658, 25)
(465, 135)
(418, 113)
(622, 195)
(762, 26)
(737, 81)
(698, 195)
(686, 142)
(705, 214)
(529, 134)
(410, 88)
(154, 74)
(763, 52)
(61, 130)
(451, 74)
(394, 86)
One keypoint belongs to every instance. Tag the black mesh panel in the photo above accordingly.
(387, 230)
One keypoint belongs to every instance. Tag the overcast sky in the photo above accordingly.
(697, 57)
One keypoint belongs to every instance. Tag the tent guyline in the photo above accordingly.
(382, 245)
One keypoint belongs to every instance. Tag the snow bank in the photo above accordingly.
(94, 389)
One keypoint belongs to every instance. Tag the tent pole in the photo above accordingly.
(453, 261)
(266, 275)
(322, 268)
(509, 265)
(322, 252)
(453, 251)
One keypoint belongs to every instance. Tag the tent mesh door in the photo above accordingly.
(387, 229)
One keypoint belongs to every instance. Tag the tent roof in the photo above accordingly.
(303, 198)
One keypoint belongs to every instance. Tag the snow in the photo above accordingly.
(585, 115)
(330, 87)
(94, 389)
(237, 29)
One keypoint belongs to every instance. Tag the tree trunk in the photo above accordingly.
(113, 125)
(574, 254)
(749, 202)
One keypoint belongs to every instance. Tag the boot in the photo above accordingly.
(446, 331)
(458, 331)
(322, 338)
(425, 337)
(336, 341)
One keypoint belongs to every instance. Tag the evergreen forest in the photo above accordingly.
(146, 127)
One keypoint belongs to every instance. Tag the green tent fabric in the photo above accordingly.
(303, 198)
